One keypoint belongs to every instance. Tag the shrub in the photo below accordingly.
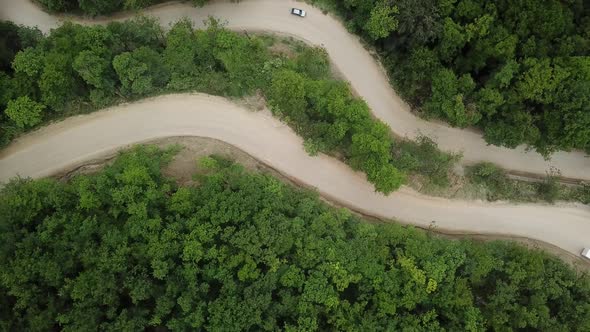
(423, 157)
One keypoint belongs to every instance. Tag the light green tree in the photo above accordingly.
(24, 112)
(382, 20)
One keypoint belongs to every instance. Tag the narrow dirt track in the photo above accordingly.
(355, 63)
(77, 139)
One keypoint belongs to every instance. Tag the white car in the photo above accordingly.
(298, 12)
(586, 253)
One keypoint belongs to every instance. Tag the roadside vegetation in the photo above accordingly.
(76, 69)
(518, 70)
(128, 249)
(496, 185)
(439, 173)
(469, 62)
(102, 7)
(422, 158)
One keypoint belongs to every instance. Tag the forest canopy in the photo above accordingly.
(129, 249)
(519, 70)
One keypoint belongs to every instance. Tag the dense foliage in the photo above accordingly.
(77, 68)
(13, 39)
(332, 119)
(101, 7)
(127, 249)
(520, 70)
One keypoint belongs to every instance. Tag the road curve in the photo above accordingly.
(348, 55)
(65, 144)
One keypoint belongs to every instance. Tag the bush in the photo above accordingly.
(583, 193)
(488, 173)
(499, 186)
(492, 178)
(549, 189)
(314, 63)
(208, 163)
(424, 158)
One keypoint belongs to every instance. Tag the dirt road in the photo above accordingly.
(76, 139)
(355, 63)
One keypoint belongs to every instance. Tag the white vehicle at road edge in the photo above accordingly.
(298, 12)
(585, 253)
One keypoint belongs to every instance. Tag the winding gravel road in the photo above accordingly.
(61, 145)
(355, 63)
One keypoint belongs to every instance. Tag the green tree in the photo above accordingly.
(131, 34)
(59, 5)
(15, 38)
(24, 112)
(488, 101)
(567, 124)
(287, 95)
(453, 40)
(180, 55)
(241, 59)
(98, 7)
(370, 151)
(386, 178)
(419, 21)
(416, 73)
(515, 128)
(94, 66)
(539, 80)
(382, 20)
(57, 84)
(6, 90)
(449, 95)
(140, 71)
(504, 76)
